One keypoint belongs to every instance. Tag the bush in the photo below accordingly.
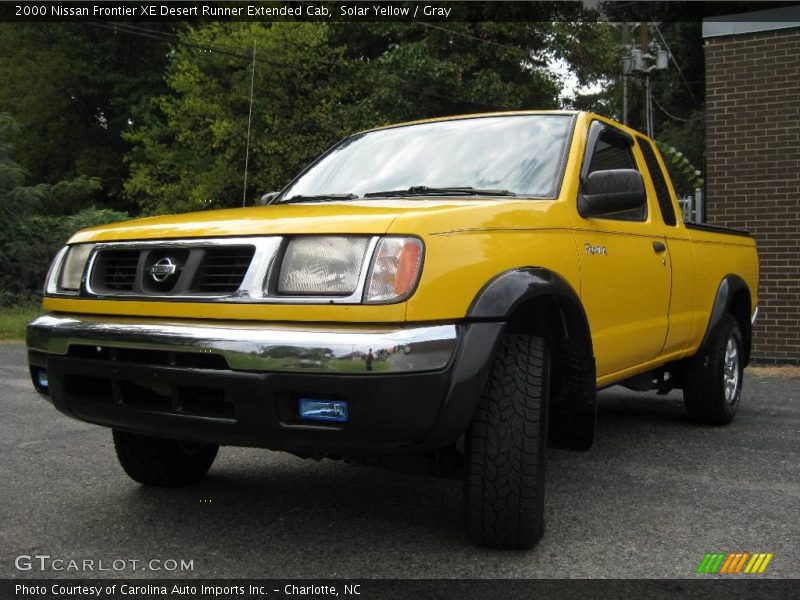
(27, 246)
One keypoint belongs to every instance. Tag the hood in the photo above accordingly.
(419, 216)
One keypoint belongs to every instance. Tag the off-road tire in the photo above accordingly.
(704, 388)
(160, 462)
(505, 448)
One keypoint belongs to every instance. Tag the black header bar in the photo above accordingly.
(364, 11)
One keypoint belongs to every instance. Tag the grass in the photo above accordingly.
(14, 319)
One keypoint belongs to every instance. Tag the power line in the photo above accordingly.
(671, 116)
(677, 66)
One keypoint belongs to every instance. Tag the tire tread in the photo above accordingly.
(160, 462)
(504, 480)
(703, 394)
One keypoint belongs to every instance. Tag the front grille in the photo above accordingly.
(223, 269)
(210, 269)
(235, 270)
(117, 270)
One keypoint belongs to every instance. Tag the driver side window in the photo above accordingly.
(612, 152)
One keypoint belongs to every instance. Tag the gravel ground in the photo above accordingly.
(652, 496)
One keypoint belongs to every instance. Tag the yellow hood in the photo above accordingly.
(354, 217)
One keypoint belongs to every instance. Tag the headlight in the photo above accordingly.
(67, 268)
(395, 269)
(322, 265)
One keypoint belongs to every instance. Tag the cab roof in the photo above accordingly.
(589, 115)
(473, 116)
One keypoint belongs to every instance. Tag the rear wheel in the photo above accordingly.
(505, 448)
(714, 377)
(161, 462)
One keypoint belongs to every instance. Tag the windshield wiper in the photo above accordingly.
(424, 190)
(319, 198)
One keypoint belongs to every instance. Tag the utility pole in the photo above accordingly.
(642, 59)
(626, 68)
(644, 44)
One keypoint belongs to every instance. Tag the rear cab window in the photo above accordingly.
(659, 179)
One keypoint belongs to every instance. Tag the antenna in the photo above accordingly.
(249, 120)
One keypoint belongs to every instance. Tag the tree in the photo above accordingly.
(75, 88)
(28, 239)
(314, 83)
(678, 91)
(423, 70)
(191, 153)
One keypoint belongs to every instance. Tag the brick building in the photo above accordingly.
(753, 160)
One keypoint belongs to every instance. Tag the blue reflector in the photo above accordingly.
(41, 378)
(323, 410)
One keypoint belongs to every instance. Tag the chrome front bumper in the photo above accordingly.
(249, 346)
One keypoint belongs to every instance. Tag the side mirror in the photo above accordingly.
(267, 198)
(611, 191)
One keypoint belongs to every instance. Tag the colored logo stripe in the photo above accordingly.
(732, 563)
(758, 563)
(711, 562)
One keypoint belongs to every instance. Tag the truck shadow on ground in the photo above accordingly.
(252, 497)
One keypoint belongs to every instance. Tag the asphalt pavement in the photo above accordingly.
(652, 496)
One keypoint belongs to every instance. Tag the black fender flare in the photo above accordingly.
(506, 292)
(572, 420)
(727, 289)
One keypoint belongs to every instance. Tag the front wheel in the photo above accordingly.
(505, 448)
(714, 377)
(160, 462)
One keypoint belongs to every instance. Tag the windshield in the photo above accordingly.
(521, 154)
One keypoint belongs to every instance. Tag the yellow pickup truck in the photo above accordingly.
(453, 290)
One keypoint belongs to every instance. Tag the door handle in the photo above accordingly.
(659, 247)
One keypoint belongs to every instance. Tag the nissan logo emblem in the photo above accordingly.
(163, 269)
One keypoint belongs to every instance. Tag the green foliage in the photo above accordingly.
(679, 93)
(28, 239)
(191, 154)
(592, 50)
(418, 71)
(153, 117)
(75, 88)
(685, 177)
(596, 54)
(316, 82)
(29, 242)
(17, 198)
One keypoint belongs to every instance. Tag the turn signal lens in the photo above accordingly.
(395, 269)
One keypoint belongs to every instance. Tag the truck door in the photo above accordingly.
(625, 265)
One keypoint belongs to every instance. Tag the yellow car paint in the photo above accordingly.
(644, 308)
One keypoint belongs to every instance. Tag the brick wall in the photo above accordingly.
(753, 169)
